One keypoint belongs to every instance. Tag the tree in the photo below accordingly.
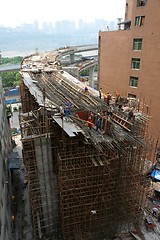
(13, 60)
(10, 79)
(84, 72)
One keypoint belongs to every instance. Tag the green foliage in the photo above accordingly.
(10, 79)
(13, 60)
(96, 68)
(84, 72)
(8, 109)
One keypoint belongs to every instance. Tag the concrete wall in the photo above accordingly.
(128, 9)
(113, 74)
(48, 184)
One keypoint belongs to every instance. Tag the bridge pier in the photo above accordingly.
(91, 77)
(72, 58)
(72, 70)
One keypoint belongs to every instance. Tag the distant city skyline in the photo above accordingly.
(65, 25)
(14, 13)
(28, 37)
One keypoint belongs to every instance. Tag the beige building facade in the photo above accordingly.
(129, 58)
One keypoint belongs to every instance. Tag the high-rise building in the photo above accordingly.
(129, 58)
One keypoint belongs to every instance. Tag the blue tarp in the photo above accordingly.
(156, 174)
(11, 101)
(12, 92)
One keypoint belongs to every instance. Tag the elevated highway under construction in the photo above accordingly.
(84, 183)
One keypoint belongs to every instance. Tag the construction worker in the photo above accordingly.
(68, 103)
(89, 122)
(108, 98)
(154, 211)
(130, 114)
(105, 97)
(98, 122)
(100, 93)
(86, 89)
(67, 113)
(117, 98)
(109, 113)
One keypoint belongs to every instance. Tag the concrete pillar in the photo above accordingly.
(47, 182)
(72, 70)
(91, 77)
(72, 58)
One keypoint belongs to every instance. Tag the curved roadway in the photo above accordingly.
(61, 52)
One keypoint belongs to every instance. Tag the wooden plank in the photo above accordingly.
(135, 236)
(94, 162)
(69, 127)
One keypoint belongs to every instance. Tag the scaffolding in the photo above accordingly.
(88, 185)
(100, 193)
(38, 159)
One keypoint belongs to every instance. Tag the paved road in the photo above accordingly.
(22, 213)
(9, 68)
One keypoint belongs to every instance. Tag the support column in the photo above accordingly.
(91, 77)
(72, 58)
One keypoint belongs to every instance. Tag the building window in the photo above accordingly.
(135, 63)
(139, 21)
(141, 3)
(130, 95)
(137, 44)
(133, 82)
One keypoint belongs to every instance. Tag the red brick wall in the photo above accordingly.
(115, 54)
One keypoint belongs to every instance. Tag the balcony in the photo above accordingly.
(124, 25)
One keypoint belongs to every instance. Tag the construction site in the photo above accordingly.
(85, 182)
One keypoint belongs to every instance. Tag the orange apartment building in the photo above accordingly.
(129, 58)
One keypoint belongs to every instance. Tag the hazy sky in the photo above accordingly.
(15, 12)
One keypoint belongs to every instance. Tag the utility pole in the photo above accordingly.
(36, 50)
(62, 117)
(44, 96)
